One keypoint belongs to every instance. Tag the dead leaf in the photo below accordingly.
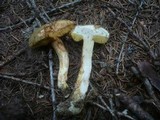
(147, 71)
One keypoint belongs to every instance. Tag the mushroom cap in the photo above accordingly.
(40, 36)
(98, 34)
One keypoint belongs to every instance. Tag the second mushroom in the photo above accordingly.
(51, 33)
(89, 34)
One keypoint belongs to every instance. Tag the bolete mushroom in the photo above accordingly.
(89, 34)
(51, 33)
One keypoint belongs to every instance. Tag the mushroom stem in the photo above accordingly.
(89, 34)
(82, 83)
(63, 63)
(75, 103)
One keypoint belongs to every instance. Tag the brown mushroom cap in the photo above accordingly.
(53, 30)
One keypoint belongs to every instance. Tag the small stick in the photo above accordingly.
(49, 19)
(100, 106)
(29, 20)
(11, 27)
(156, 33)
(118, 113)
(147, 85)
(126, 37)
(107, 107)
(125, 115)
(146, 82)
(120, 54)
(36, 12)
(24, 81)
(64, 6)
(133, 106)
(52, 82)
(9, 59)
(130, 30)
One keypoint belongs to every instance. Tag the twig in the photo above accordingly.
(108, 108)
(146, 81)
(52, 82)
(36, 12)
(111, 103)
(147, 85)
(154, 34)
(118, 113)
(67, 5)
(133, 106)
(126, 37)
(100, 106)
(125, 115)
(11, 27)
(107, 4)
(29, 20)
(120, 54)
(24, 81)
(146, 47)
(33, 5)
(17, 74)
(9, 59)
(46, 14)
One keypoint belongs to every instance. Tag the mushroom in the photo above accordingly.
(89, 34)
(51, 33)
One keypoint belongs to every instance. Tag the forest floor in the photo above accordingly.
(125, 70)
